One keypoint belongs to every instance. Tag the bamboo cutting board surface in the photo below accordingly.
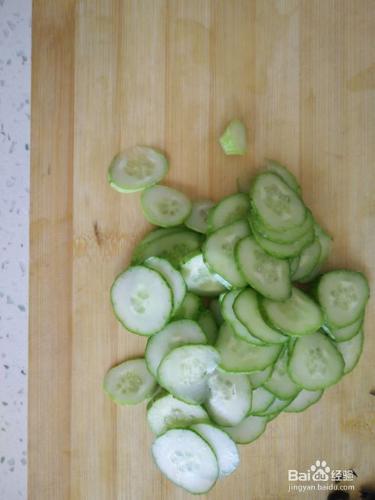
(108, 74)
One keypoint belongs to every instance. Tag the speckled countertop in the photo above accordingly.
(15, 55)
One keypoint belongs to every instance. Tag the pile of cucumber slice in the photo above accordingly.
(241, 324)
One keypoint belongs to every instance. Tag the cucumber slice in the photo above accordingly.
(351, 351)
(248, 430)
(184, 372)
(129, 383)
(343, 296)
(303, 400)
(172, 277)
(186, 459)
(197, 220)
(136, 169)
(346, 332)
(167, 412)
(230, 317)
(175, 334)
(190, 308)
(276, 204)
(307, 260)
(199, 279)
(238, 356)
(233, 141)
(293, 264)
(286, 175)
(218, 252)
(230, 209)
(229, 399)
(285, 236)
(280, 383)
(207, 322)
(262, 399)
(165, 206)
(285, 250)
(276, 407)
(258, 378)
(315, 362)
(325, 241)
(272, 416)
(172, 247)
(216, 311)
(298, 316)
(141, 300)
(268, 275)
(224, 448)
(246, 308)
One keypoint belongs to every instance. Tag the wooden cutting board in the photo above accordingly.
(108, 74)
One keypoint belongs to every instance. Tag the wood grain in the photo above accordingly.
(108, 74)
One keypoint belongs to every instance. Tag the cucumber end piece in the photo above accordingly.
(234, 141)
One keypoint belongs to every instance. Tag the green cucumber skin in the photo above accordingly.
(282, 252)
(331, 332)
(282, 237)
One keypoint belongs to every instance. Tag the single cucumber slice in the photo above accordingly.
(351, 351)
(230, 209)
(343, 296)
(224, 448)
(229, 399)
(293, 264)
(280, 383)
(167, 412)
(268, 275)
(275, 408)
(248, 430)
(184, 372)
(233, 141)
(186, 459)
(307, 260)
(258, 378)
(150, 237)
(175, 334)
(238, 356)
(346, 332)
(141, 300)
(315, 362)
(172, 277)
(325, 241)
(129, 383)
(285, 250)
(276, 204)
(207, 322)
(136, 169)
(286, 175)
(197, 220)
(285, 236)
(190, 308)
(262, 399)
(199, 279)
(218, 252)
(230, 317)
(165, 206)
(173, 247)
(246, 308)
(215, 308)
(303, 400)
(299, 315)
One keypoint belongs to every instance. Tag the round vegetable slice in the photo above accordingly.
(298, 315)
(351, 351)
(168, 412)
(285, 250)
(343, 296)
(190, 308)
(207, 322)
(346, 332)
(325, 241)
(287, 236)
(286, 175)
(165, 206)
(184, 372)
(259, 377)
(262, 399)
(199, 279)
(136, 169)
(175, 334)
(315, 363)
(307, 260)
(248, 430)
(280, 383)
(197, 220)
(233, 141)
(129, 383)
(230, 209)
(186, 459)
(223, 446)
(303, 400)
(229, 399)
(142, 300)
